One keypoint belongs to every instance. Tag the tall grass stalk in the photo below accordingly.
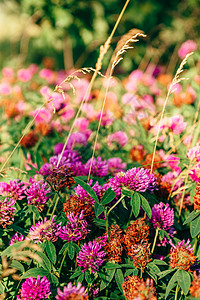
(171, 89)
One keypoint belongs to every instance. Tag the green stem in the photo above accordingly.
(195, 244)
(155, 239)
(52, 214)
(176, 292)
(33, 218)
(63, 259)
(141, 273)
(122, 197)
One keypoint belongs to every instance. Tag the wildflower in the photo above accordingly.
(140, 254)
(29, 140)
(5, 88)
(35, 289)
(195, 285)
(114, 247)
(115, 165)
(136, 232)
(164, 188)
(194, 173)
(177, 124)
(166, 240)
(76, 228)
(102, 240)
(84, 195)
(44, 230)
(7, 211)
(119, 137)
(157, 161)
(16, 238)
(135, 288)
(24, 75)
(182, 256)
(137, 153)
(41, 116)
(14, 189)
(37, 194)
(162, 218)
(76, 204)
(194, 153)
(77, 138)
(135, 179)
(187, 47)
(72, 292)
(60, 177)
(91, 256)
(99, 167)
(58, 148)
(196, 197)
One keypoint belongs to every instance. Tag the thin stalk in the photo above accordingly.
(33, 219)
(176, 292)
(122, 197)
(98, 67)
(62, 262)
(141, 273)
(155, 239)
(54, 208)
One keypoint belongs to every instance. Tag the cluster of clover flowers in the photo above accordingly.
(109, 247)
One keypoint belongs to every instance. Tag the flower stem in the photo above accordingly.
(176, 292)
(33, 218)
(63, 259)
(52, 214)
(155, 239)
(122, 197)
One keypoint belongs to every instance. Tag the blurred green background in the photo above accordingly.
(70, 32)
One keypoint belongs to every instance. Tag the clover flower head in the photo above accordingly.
(72, 292)
(45, 230)
(162, 217)
(35, 288)
(99, 167)
(14, 189)
(76, 228)
(7, 211)
(37, 194)
(182, 256)
(16, 238)
(91, 256)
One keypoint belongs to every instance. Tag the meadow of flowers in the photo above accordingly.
(100, 185)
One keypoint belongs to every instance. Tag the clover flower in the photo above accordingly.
(14, 189)
(35, 289)
(114, 246)
(194, 172)
(99, 167)
(76, 228)
(72, 292)
(84, 195)
(135, 179)
(115, 165)
(136, 232)
(187, 47)
(119, 137)
(7, 211)
(162, 217)
(91, 256)
(140, 254)
(76, 204)
(44, 230)
(182, 256)
(135, 288)
(37, 193)
(60, 177)
(16, 238)
(195, 286)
